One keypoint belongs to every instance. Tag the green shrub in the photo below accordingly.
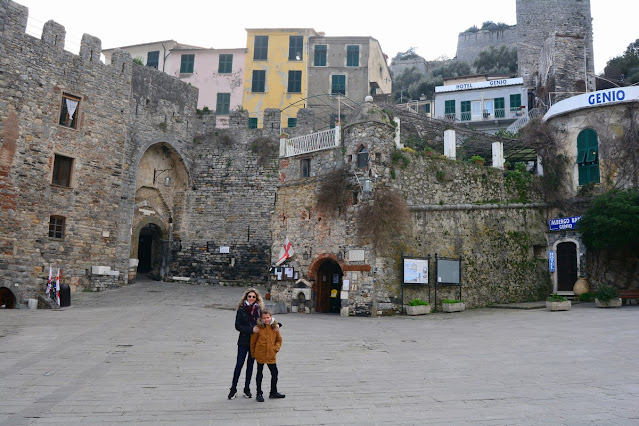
(418, 302)
(476, 159)
(556, 298)
(586, 297)
(451, 301)
(605, 293)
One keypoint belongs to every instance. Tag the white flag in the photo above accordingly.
(285, 252)
(50, 282)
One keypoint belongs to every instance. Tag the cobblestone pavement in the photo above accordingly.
(163, 353)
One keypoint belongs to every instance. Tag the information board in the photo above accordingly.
(448, 271)
(415, 271)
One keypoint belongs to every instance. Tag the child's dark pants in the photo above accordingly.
(260, 375)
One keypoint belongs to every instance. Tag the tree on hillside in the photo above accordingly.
(622, 70)
(501, 60)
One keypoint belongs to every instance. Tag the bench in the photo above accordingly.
(631, 293)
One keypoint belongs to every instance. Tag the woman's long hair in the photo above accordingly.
(258, 298)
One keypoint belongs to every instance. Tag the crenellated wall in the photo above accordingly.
(470, 44)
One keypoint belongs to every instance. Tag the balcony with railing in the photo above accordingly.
(465, 116)
(326, 139)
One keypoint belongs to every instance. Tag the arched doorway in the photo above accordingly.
(566, 266)
(7, 299)
(150, 250)
(328, 285)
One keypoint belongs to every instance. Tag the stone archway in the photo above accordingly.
(568, 254)
(161, 184)
(7, 298)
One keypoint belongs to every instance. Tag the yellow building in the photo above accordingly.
(275, 73)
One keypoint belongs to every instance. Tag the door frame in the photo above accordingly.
(554, 275)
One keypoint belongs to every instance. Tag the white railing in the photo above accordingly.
(326, 139)
(524, 119)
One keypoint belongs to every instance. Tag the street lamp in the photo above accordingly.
(158, 172)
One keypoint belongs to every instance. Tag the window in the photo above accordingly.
(305, 167)
(69, 111)
(226, 64)
(295, 81)
(260, 48)
(362, 158)
(338, 84)
(186, 64)
(449, 109)
(320, 55)
(295, 48)
(515, 103)
(465, 110)
(259, 79)
(500, 110)
(153, 59)
(352, 56)
(252, 122)
(427, 108)
(292, 122)
(223, 103)
(56, 227)
(62, 167)
(588, 157)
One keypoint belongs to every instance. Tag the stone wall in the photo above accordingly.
(470, 44)
(456, 209)
(36, 74)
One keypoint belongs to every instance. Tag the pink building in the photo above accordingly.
(217, 73)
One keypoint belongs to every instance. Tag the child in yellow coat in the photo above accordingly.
(264, 346)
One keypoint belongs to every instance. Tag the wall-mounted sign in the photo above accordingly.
(594, 99)
(562, 223)
(224, 249)
(551, 261)
(415, 271)
(480, 85)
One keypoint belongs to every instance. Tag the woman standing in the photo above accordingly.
(248, 312)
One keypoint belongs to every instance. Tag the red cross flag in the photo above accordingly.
(285, 252)
(57, 287)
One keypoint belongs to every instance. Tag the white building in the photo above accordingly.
(485, 103)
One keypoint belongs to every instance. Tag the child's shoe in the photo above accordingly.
(276, 395)
(259, 398)
(247, 393)
(232, 393)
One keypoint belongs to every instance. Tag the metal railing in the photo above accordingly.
(326, 139)
(465, 116)
(524, 119)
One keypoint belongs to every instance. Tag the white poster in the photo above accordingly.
(415, 271)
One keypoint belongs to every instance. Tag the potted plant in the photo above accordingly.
(428, 151)
(555, 302)
(418, 307)
(607, 297)
(477, 159)
(449, 305)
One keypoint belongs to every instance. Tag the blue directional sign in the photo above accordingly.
(551, 261)
(563, 223)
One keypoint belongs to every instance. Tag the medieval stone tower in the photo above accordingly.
(554, 47)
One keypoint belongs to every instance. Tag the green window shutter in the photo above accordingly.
(338, 84)
(260, 48)
(292, 122)
(427, 108)
(252, 123)
(449, 107)
(594, 173)
(259, 79)
(186, 64)
(499, 103)
(153, 59)
(352, 56)
(295, 81)
(465, 106)
(223, 103)
(320, 56)
(583, 174)
(226, 64)
(295, 48)
(515, 101)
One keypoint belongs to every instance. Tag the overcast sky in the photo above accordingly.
(431, 27)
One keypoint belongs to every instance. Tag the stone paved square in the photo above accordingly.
(163, 353)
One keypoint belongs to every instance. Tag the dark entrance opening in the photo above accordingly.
(566, 266)
(7, 299)
(149, 252)
(327, 288)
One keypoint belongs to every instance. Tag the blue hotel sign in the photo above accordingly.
(563, 223)
(551, 261)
